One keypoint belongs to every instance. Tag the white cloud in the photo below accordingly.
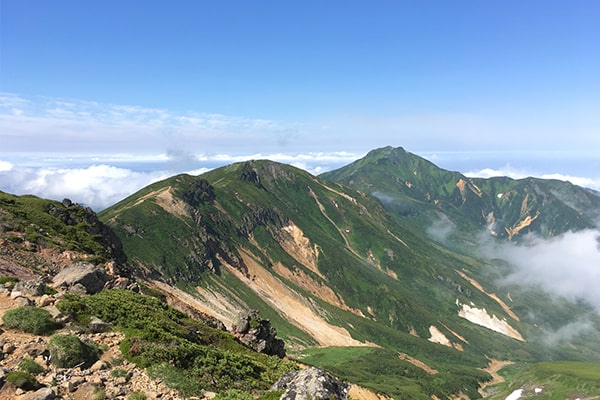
(566, 265)
(593, 183)
(5, 166)
(97, 186)
(81, 126)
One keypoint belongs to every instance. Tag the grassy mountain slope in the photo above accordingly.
(30, 223)
(418, 190)
(40, 237)
(387, 307)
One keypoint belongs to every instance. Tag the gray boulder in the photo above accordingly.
(258, 334)
(311, 383)
(31, 288)
(41, 394)
(82, 275)
(96, 325)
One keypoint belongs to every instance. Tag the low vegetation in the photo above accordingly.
(30, 319)
(23, 380)
(68, 351)
(186, 354)
(47, 223)
(553, 380)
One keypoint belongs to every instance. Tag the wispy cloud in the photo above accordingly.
(63, 125)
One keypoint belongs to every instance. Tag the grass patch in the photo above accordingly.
(23, 380)
(30, 366)
(186, 354)
(558, 380)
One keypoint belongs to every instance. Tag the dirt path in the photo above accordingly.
(494, 366)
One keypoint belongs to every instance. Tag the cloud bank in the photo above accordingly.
(592, 183)
(567, 265)
(97, 186)
(99, 181)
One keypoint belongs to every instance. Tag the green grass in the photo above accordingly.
(186, 354)
(30, 366)
(383, 371)
(558, 380)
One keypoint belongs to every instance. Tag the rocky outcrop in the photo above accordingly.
(35, 287)
(258, 334)
(82, 276)
(72, 214)
(311, 383)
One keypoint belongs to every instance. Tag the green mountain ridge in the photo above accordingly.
(331, 267)
(412, 187)
(345, 267)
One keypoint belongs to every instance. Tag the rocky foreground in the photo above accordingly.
(111, 376)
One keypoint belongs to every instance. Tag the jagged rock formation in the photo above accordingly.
(258, 334)
(311, 383)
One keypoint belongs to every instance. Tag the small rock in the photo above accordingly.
(34, 349)
(86, 391)
(40, 394)
(96, 325)
(8, 348)
(23, 301)
(98, 366)
(44, 301)
(31, 288)
(78, 289)
(311, 383)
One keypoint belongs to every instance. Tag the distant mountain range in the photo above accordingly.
(371, 271)
(412, 187)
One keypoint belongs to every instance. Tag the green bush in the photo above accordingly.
(30, 319)
(23, 380)
(234, 394)
(271, 395)
(175, 379)
(68, 351)
(118, 373)
(30, 366)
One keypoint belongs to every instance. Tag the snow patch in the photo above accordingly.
(438, 337)
(515, 395)
(538, 390)
(481, 317)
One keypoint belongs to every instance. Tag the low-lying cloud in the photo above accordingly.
(96, 186)
(592, 183)
(567, 265)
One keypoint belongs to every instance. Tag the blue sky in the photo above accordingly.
(127, 92)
